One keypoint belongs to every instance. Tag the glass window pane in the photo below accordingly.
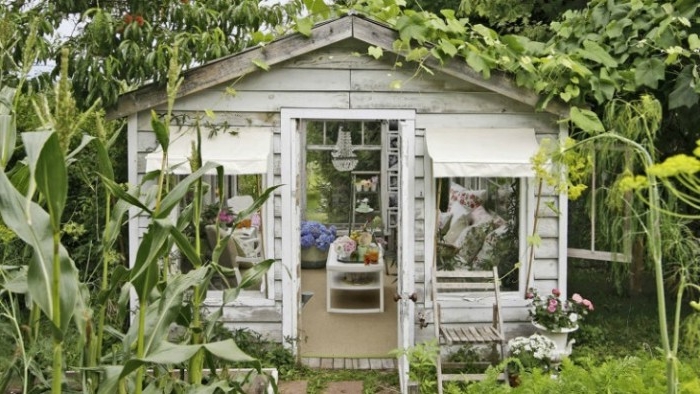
(478, 225)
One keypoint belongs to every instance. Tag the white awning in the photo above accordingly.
(245, 152)
(481, 152)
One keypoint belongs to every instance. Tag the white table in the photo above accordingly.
(335, 280)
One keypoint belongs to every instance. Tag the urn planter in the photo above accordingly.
(560, 337)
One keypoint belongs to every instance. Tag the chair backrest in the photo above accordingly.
(464, 284)
(461, 281)
(229, 252)
(239, 203)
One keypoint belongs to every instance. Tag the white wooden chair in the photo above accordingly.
(458, 287)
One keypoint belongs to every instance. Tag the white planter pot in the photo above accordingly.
(559, 337)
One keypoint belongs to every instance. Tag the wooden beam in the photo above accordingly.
(236, 65)
(597, 255)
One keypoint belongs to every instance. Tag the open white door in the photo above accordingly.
(290, 159)
(406, 247)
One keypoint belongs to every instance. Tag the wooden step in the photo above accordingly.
(468, 377)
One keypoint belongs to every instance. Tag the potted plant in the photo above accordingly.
(315, 240)
(528, 353)
(556, 318)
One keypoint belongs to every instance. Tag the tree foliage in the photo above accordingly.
(122, 44)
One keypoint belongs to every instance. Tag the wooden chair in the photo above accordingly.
(457, 288)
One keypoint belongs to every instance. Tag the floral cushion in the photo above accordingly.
(480, 215)
(484, 259)
(474, 237)
(455, 235)
(456, 214)
(444, 222)
(469, 199)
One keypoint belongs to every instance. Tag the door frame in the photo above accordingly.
(290, 170)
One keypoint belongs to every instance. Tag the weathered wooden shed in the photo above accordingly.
(451, 126)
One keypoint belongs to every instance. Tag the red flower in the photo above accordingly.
(128, 18)
(139, 20)
(556, 292)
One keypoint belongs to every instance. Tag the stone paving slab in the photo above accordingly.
(345, 387)
(293, 387)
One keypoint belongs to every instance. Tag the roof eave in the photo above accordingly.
(324, 34)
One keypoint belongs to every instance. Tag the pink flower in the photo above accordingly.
(529, 296)
(552, 307)
(577, 298)
(587, 304)
(255, 220)
(556, 292)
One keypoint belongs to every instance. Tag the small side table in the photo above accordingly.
(335, 280)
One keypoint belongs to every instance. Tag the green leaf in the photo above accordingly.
(175, 196)
(83, 143)
(317, 7)
(304, 26)
(683, 93)
(261, 64)
(144, 274)
(227, 350)
(15, 279)
(161, 131)
(593, 51)
(256, 273)
(120, 193)
(8, 138)
(48, 167)
(448, 48)
(586, 120)
(649, 72)
(183, 243)
(693, 42)
(477, 63)
(375, 52)
(104, 164)
(33, 226)
(167, 353)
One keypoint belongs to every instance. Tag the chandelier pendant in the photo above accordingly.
(344, 159)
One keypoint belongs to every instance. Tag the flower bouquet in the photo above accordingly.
(554, 314)
(315, 240)
(344, 247)
(315, 234)
(535, 351)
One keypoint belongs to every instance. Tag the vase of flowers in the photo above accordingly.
(528, 353)
(556, 318)
(315, 240)
(344, 247)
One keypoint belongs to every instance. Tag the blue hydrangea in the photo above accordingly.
(316, 234)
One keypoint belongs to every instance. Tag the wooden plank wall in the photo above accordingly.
(337, 77)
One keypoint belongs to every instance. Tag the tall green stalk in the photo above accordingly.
(104, 285)
(56, 301)
(653, 234)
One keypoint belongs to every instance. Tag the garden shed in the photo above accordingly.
(444, 152)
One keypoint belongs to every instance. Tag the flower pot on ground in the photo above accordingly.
(560, 338)
(313, 257)
(528, 353)
(556, 318)
(315, 241)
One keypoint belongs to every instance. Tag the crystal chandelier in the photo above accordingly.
(343, 157)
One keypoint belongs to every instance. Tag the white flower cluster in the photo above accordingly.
(539, 346)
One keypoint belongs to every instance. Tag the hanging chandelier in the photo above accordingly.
(343, 157)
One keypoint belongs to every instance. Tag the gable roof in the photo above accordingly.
(323, 34)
